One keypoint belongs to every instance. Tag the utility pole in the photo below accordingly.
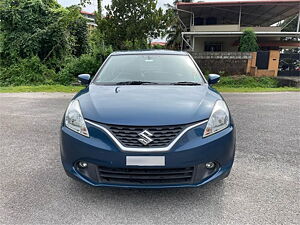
(298, 24)
(240, 16)
(99, 8)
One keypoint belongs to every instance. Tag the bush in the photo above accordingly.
(248, 41)
(26, 72)
(248, 82)
(75, 66)
(158, 47)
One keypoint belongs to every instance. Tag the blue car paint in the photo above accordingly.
(148, 105)
(181, 104)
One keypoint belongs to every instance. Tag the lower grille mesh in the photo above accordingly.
(145, 176)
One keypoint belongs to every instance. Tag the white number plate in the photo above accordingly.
(145, 161)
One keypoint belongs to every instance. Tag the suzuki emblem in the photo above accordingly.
(145, 137)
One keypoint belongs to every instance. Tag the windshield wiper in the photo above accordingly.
(185, 83)
(134, 82)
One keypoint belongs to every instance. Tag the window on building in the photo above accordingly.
(213, 47)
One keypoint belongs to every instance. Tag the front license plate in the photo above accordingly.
(145, 161)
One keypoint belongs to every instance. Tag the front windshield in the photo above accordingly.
(158, 69)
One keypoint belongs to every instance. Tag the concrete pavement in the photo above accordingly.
(263, 187)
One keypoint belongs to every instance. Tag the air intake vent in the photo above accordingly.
(146, 176)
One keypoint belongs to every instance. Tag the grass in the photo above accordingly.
(72, 89)
(243, 81)
(257, 89)
(41, 88)
(240, 83)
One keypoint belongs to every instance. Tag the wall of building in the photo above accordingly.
(226, 41)
(215, 28)
(229, 44)
(263, 29)
(267, 39)
(236, 63)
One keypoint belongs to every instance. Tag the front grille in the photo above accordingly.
(146, 176)
(162, 135)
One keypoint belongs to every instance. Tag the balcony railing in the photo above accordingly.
(231, 28)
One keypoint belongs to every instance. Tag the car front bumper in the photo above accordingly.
(191, 152)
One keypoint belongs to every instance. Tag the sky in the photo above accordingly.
(93, 6)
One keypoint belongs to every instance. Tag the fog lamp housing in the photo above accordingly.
(82, 164)
(210, 165)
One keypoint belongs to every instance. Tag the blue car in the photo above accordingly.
(148, 119)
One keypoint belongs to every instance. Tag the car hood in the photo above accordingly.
(147, 105)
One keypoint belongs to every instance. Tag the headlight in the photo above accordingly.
(218, 120)
(74, 119)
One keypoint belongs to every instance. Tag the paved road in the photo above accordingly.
(263, 187)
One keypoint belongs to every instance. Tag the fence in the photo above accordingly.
(228, 63)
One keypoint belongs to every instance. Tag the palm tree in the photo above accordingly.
(174, 38)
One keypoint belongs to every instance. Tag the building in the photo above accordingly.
(213, 30)
(91, 17)
(159, 43)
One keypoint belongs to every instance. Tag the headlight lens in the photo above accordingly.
(218, 120)
(74, 119)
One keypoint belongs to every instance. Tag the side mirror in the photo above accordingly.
(213, 79)
(84, 79)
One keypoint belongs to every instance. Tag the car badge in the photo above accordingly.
(145, 137)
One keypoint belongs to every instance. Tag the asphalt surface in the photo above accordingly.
(263, 187)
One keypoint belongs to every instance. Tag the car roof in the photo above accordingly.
(150, 52)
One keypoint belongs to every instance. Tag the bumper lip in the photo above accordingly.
(148, 150)
(220, 174)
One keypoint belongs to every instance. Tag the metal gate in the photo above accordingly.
(262, 60)
(289, 64)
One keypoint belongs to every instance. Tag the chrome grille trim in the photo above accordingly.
(130, 149)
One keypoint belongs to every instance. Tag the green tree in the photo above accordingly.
(84, 3)
(79, 33)
(174, 38)
(130, 23)
(248, 41)
(27, 26)
(39, 28)
(173, 33)
(38, 38)
(97, 46)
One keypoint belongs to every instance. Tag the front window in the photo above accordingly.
(213, 47)
(151, 68)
